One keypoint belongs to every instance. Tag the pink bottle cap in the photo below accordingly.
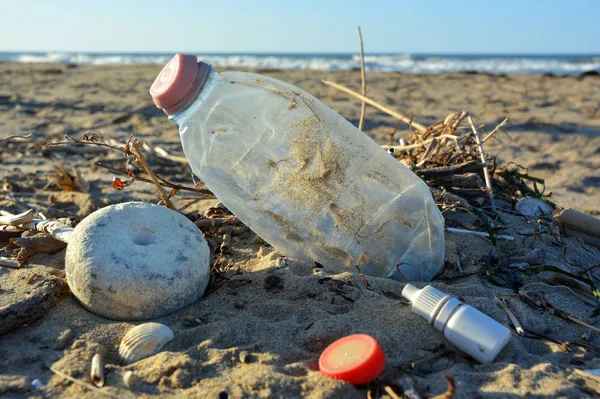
(178, 83)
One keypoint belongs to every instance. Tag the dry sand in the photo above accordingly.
(261, 333)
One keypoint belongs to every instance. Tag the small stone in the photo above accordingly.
(534, 208)
(520, 266)
(64, 339)
(263, 251)
(137, 261)
(37, 383)
(271, 256)
(273, 283)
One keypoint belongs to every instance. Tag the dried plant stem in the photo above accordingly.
(486, 172)
(15, 220)
(163, 195)
(217, 222)
(478, 233)
(363, 77)
(164, 183)
(7, 262)
(16, 137)
(539, 301)
(496, 129)
(56, 229)
(82, 383)
(391, 392)
(161, 152)
(450, 170)
(511, 315)
(422, 144)
(375, 104)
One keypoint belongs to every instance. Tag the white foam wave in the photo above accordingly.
(386, 63)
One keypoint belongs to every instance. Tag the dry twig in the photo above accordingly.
(7, 262)
(511, 315)
(375, 104)
(363, 76)
(16, 137)
(82, 383)
(486, 172)
(136, 151)
(15, 220)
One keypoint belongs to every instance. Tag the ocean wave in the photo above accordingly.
(559, 65)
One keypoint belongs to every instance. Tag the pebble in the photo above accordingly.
(136, 261)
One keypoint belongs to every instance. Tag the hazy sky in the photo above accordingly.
(477, 26)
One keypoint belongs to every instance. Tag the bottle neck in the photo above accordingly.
(196, 95)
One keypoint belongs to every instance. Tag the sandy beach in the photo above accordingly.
(260, 332)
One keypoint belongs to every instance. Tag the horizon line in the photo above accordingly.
(450, 53)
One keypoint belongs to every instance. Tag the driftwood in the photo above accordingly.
(217, 222)
(40, 243)
(55, 228)
(466, 180)
(7, 262)
(451, 170)
(8, 219)
(6, 235)
(33, 306)
(577, 224)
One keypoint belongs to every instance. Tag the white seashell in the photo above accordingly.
(143, 341)
(128, 378)
(97, 370)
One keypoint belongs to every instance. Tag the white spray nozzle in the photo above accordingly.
(426, 302)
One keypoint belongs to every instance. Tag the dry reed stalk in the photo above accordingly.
(486, 171)
(375, 104)
(81, 383)
(161, 152)
(16, 137)
(56, 229)
(510, 314)
(8, 219)
(496, 129)
(391, 392)
(165, 183)
(8, 262)
(136, 151)
(363, 77)
(479, 233)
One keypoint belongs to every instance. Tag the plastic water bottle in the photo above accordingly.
(299, 175)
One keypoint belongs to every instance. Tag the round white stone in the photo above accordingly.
(137, 261)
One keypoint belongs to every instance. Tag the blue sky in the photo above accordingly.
(483, 26)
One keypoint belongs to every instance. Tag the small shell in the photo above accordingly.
(128, 378)
(143, 341)
(97, 370)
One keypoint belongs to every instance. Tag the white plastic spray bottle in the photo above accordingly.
(467, 328)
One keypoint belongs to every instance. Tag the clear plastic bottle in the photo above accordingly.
(300, 175)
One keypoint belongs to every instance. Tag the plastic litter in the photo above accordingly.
(473, 332)
(300, 175)
(356, 359)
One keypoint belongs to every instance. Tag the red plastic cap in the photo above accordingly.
(356, 359)
(174, 81)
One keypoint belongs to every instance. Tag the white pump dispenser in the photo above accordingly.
(467, 328)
